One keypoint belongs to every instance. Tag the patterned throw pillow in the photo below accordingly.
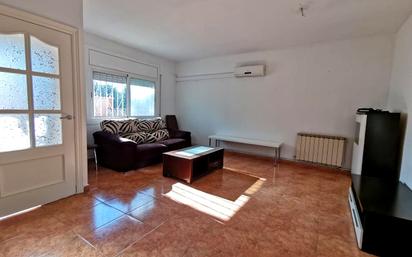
(111, 126)
(139, 137)
(117, 126)
(135, 125)
(140, 131)
(126, 126)
(150, 138)
(159, 124)
(150, 125)
(158, 135)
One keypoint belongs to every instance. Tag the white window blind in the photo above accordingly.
(109, 77)
(109, 95)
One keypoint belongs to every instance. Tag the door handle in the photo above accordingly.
(66, 117)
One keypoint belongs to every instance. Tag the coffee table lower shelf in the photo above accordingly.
(193, 167)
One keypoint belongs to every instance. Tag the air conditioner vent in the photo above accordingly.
(250, 71)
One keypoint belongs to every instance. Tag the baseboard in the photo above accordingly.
(86, 189)
(317, 165)
(287, 160)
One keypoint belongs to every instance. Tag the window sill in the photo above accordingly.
(97, 120)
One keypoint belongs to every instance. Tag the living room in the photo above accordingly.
(205, 128)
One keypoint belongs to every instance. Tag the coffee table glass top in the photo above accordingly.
(192, 151)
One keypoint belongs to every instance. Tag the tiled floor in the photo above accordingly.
(249, 208)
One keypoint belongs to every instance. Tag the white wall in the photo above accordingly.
(68, 12)
(166, 69)
(400, 96)
(314, 88)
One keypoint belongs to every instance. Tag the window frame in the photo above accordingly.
(128, 76)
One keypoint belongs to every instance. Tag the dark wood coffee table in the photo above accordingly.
(191, 163)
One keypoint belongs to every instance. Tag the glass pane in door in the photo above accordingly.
(13, 91)
(12, 54)
(16, 119)
(46, 93)
(14, 132)
(47, 129)
(44, 57)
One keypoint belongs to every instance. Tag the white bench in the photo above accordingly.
(272, 144)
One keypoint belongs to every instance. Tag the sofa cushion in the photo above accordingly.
(119, 126)
(157, 135)
(139, 137)
(150, 125)
(174, 143)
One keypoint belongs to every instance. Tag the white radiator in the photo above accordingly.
(321, 149)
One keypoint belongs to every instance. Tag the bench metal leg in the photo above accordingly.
(279, 153)
(95, 159)
(277, 156)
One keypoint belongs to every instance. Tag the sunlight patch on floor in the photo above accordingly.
(20, 212)
(255, 187)
(210, 204)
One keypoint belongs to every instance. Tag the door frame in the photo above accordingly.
(78, 87)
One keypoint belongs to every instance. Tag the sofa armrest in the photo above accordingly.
(107, 138)
(114, 151)
(181, 134)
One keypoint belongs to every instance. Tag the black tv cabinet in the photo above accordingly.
(382, 215)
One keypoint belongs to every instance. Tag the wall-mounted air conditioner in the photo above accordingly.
(250, 71)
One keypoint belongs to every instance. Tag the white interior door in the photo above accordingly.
(37, 144)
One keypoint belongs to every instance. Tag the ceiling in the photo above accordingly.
(190, 29)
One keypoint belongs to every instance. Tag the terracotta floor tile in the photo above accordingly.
(76, 202)
(69, 245)
(332, 246)
(104, 194)
(86, 220)
(157, 243)
(36, 223)
(156, 212)
(117, 235)
(337, 226)
(172, 238)
(21, 245)
(249, 208)
(60, 244)
(128, 203)
(157, 189)
(224, 241)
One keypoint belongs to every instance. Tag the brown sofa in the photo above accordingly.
(124, 145)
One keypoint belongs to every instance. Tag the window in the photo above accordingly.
(30, 104)
(122, 96)
(109, 95)
(142, 97)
